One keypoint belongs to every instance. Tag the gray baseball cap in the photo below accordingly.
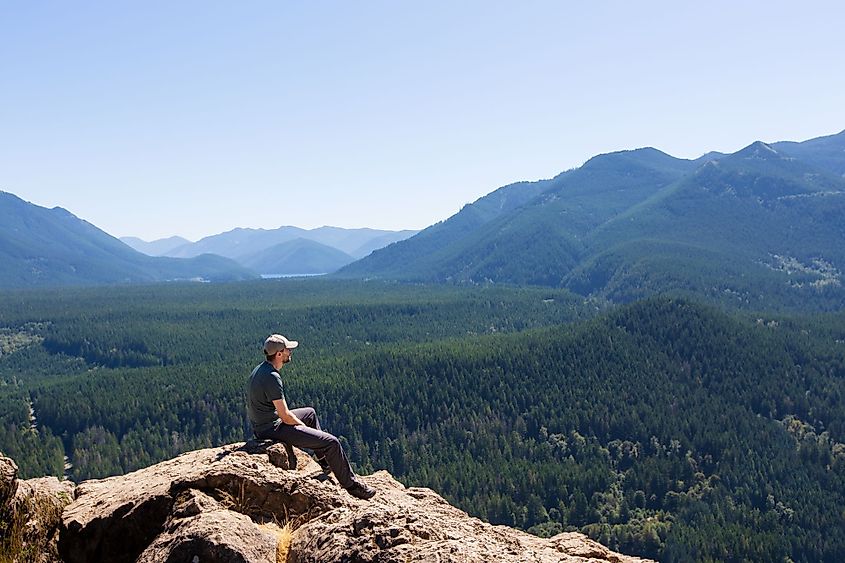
(276, 343)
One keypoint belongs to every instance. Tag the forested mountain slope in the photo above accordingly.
(525, 232)
(753, 227)
(664, 428)
(827, 152)
(420, 256)
(52, 247)
(757, 227)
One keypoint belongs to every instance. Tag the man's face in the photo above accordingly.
(286, 355)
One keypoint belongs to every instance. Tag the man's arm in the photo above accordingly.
(284, 412)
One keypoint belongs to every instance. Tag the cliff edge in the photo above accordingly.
(242, 503)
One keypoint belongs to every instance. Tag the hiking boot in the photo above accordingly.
(361, 491)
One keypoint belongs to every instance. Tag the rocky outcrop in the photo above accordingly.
(116, 519)
(234, 504)
(30, 513)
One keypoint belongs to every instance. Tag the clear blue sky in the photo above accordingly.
(159, 118)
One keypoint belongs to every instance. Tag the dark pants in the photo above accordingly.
(324, 445)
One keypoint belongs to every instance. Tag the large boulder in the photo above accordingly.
(202, 527)
(234, 504)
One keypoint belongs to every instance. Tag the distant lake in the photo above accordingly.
(276, 276)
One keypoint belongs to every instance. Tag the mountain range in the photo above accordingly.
(283, 251)
(765, 222)
(42, 247)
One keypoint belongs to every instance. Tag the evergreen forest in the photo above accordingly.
(667, 428)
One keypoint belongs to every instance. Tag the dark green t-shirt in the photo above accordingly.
(265, 386)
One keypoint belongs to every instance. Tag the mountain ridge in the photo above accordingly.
(482, 248)
(158, 247)
(43, 247)
(650, 223)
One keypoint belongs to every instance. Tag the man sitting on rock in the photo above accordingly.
(271, 419)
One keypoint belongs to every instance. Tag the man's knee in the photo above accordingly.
(330, 443)
(307, 414)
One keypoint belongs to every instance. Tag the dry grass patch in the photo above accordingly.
(27, 529)
(240, 502)
(284, 535)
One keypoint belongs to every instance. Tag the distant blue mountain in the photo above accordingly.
(298, 256)
(42, 247)
(158, 247)
(332, 247)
